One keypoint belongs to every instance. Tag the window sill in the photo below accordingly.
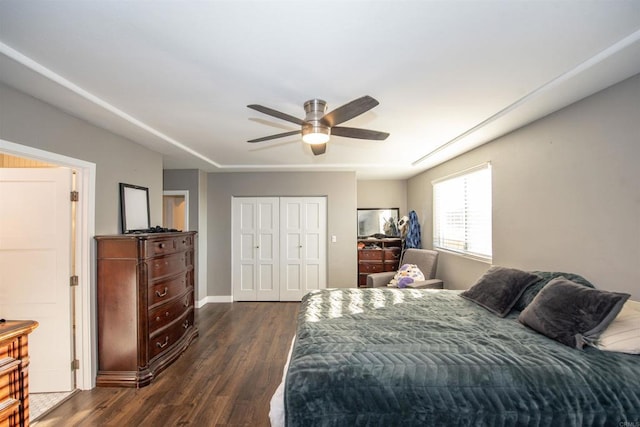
(482, 259)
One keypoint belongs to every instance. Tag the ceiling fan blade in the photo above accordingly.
(275, 113)
(278, 135)
(349, 110)
(359, 133)
(318, 148)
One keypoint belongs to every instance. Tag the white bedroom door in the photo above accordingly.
(303, 246)
(35, 264)
(255, 243)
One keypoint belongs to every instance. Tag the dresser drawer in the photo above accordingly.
(161, 292)
(391, 254)
(164, 266)
(370, 267)
(184, 243)
(390, 266)
(370, 254)
(9, 382)
(168, 245)
(161, 316)
(164, 339)
(160, 246)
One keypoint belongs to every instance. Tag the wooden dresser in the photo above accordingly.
(14, 374)
(377, 255)
(145, 305)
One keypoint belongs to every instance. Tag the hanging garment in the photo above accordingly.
(413, 234)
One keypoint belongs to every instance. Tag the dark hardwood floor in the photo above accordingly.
(226, 377)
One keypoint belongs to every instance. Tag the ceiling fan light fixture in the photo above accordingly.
(316, 134)
(318, 125)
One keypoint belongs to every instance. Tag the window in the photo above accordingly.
(462, 213)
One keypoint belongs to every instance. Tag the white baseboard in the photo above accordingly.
(213, 299)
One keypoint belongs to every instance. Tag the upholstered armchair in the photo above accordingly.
(427, 262)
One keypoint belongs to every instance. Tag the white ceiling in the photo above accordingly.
(176, 76)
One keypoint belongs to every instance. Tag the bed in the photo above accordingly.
(386, 357)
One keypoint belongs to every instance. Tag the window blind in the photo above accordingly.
(462, 213)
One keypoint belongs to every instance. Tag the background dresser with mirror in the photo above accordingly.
(379, 242)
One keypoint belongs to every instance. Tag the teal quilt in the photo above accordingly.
(401, 357)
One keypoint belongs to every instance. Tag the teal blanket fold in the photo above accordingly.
(400, 357)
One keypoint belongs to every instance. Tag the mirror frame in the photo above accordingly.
(134, 208)
(395, 212)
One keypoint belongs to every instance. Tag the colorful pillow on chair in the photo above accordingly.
(407, 273)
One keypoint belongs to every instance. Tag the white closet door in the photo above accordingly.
(255, 239)
(303, 247)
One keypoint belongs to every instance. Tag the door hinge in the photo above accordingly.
(75, 196)
(73, 281)
(75, 364)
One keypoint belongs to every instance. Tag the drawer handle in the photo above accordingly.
(185, 325)
(159, 318)
(163, 345)
(161, 245)
(186, 301)
(158, 294)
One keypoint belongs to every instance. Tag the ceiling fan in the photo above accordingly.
(317, 126)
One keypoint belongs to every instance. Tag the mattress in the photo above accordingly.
(385, 357)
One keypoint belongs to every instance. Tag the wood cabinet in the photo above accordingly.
(377, 255)
(14, 373)
(145, 305)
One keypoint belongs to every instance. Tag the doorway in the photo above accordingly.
(175, 210)
(81, 302)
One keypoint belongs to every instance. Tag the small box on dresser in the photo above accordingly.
(145, 305)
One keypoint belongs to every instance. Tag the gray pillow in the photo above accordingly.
(571, 313)
(499, 288)
(545, 277)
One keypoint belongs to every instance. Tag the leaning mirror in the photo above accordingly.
(378, 222)
(134, 208)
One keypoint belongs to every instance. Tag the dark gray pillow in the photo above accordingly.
(499, 288)
(545, 277)
(571, 313)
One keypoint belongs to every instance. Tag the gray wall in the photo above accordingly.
(27, 121)
(383, 194)
(338, 187)
(566, 194)
(193, 181)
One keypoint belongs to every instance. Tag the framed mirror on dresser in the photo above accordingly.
(134, 208)
(378, 222)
